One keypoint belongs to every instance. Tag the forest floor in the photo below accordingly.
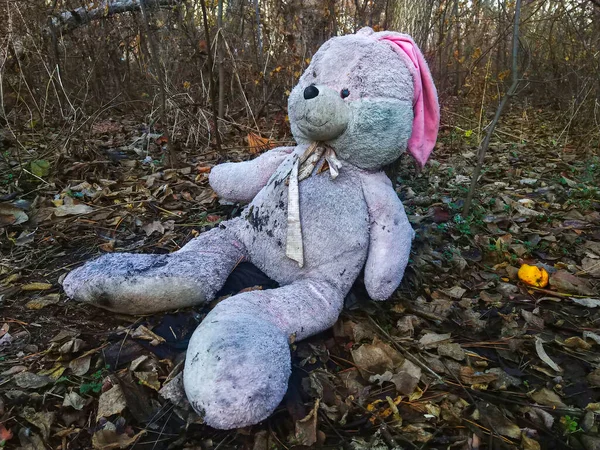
(465, 355)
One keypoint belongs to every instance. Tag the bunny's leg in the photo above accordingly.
(238, 361)
(142, 284)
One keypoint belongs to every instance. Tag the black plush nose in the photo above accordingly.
(311, 92)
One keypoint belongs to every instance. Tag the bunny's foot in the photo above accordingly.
(238, 361)
(143, 284)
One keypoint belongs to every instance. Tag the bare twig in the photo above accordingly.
(156, 62)
(490, 131)
(219, 45)
(211, 88)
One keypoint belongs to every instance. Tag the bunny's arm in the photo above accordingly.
(240, 182)
(390, 236)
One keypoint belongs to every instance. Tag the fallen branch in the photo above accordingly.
(68, 21)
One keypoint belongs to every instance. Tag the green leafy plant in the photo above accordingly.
(569, 424)
(95, 385)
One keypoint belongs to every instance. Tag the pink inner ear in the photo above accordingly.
(426, 120)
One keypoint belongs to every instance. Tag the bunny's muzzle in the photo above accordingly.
(319, 113)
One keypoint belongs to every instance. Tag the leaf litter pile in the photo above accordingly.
(490, 342)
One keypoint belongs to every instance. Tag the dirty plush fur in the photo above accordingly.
(238, 361)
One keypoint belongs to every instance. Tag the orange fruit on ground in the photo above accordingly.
(533, 275)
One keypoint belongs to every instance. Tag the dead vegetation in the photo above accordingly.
(468, 354)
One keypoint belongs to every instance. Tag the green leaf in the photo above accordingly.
(40, 168)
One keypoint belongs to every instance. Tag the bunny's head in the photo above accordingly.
(370, 97)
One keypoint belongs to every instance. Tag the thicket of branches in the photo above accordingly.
(69, 60)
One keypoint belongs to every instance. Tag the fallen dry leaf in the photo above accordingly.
(74, 400)
(108, 438)
(42, 302)
(72, 210)
(453, 351)
(376, 358)
(29, 380)
(587, 302)
(111, 402)
(406, 378)
(564, 281)
(153, 227)
(539, 348)
(149, 379)
(80, 366)
(529, 443)
(546, 397)
(306, 428)
(43, 420)
(144, 333)
(432, 340)
(5, 435)
(470, 376)
(36, 287)
(493, 418)
(11, 215)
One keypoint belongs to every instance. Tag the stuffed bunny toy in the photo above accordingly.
(319, 213)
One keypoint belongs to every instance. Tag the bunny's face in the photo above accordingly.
(356, 96)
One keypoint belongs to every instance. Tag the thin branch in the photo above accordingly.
(68, 21)
(157, 64)
(490, 131)
(213, 96)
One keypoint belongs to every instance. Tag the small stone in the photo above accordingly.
(173, 391)
(29, 380)
(407, 378)
(591, 266)
(519, 249)
(528, 181)
(453, 351)
(593, 378)
(512, 272)
(504, 380)
(590, 442)
(507, 290)
(406, 325)
(432, 340)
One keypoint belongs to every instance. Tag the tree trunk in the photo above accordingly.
(457, 53)
(490, 131)
(259, 44)
(156, 62)
(219, 44)
(211, 87)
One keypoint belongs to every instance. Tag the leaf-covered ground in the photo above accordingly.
(465, 356)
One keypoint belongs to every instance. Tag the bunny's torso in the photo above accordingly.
(335, 225)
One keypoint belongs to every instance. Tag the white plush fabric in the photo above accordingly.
(238, 360)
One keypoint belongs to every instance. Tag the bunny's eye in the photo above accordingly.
(344, 93)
